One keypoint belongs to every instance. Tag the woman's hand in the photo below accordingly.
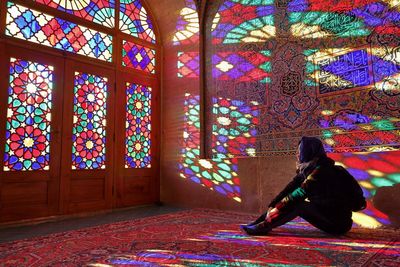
(272, 213)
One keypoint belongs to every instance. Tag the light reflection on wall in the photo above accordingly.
(351, 131)
(240, 21)
(374, 171)
(187, 28)
(234, 132)
(357, 88)
(180, 258)
(341, 69)
(337, 71)
(188, 64)
(351, 66)
(242, 66)
(326, 18)
(219, 175)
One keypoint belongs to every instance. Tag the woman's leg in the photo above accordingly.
(259, 219)
(308, 212)
(333, 223)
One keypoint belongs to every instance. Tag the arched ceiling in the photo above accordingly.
(166, 14)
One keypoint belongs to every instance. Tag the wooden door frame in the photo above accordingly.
(120, 171)
(67, 174)
(51, 175)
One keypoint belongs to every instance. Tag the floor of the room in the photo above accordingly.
(11, 233)
(176, 237)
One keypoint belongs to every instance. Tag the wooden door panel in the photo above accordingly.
(24, 193)
(87, 163)
(30, 112)
(136, 182)
(87, 190)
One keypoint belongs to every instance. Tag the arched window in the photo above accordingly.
(81, 102)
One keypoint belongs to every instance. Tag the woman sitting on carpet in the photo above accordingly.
(321, 193)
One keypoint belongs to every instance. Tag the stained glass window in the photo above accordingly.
(138, 126)
(28, 116)
(98, 11)
(134, 20)
(138, 57)
(89, 122)
(41, 28)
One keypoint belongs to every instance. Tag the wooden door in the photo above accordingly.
(31, 86)
(87, 149)
(137, 139)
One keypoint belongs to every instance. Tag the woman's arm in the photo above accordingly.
(289, 188)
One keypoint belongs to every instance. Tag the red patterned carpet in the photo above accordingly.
(203, 238)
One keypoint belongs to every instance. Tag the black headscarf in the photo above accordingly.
(310, 149)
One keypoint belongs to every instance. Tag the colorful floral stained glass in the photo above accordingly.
(28, 116)
(243, 21)
(138, 57)
(188, 64)
(98, 11)
(134, 20)
(138, 126)
(187, 28)
(44, 29)
(89, 122)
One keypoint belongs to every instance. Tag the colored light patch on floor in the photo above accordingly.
(204, 238)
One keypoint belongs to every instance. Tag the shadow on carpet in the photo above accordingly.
(203, 238)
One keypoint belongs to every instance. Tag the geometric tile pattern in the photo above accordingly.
(138, 57)
(44, 29)
(134, 20)
(98, 11)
